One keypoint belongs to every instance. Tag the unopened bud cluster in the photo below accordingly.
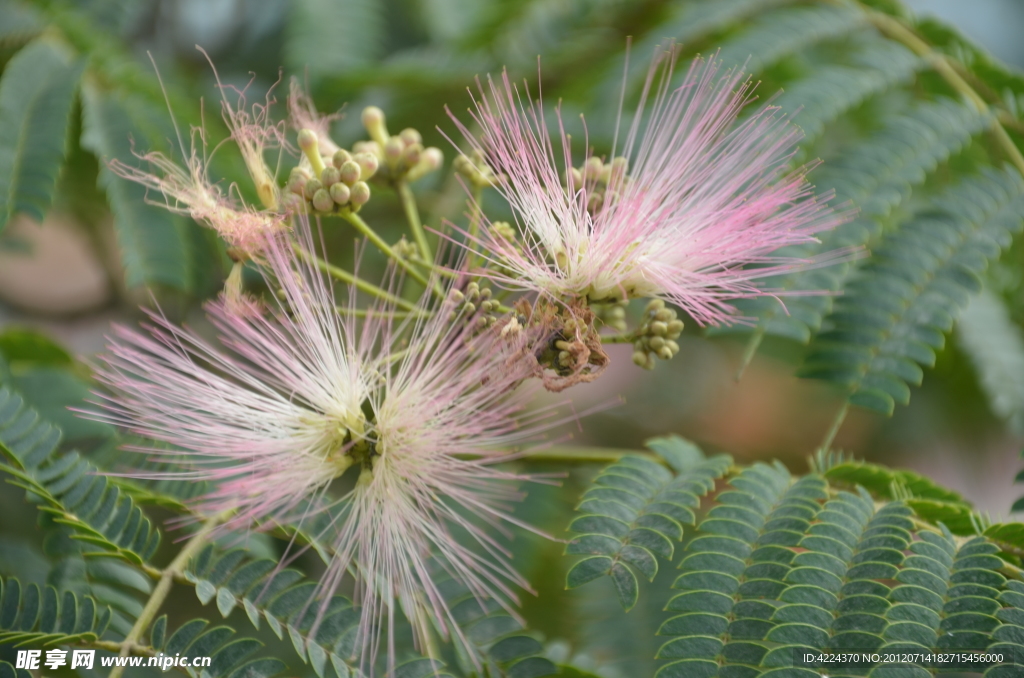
(331, 183)
(401, 157)
(613, 315)
(603, 181)
(404, 249)
(471, 301)
(566, 358)
(656, 335)
(475, 169)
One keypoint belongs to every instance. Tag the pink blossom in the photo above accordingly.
(421, 411)
(188, 190)
(693, 212)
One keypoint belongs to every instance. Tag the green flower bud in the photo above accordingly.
(411, 155)
(341, 156)
(665, 353)
(575, 179)
(340, 193)
(659, 329)
(469, 308)
(504, 230)
(672, 346)
(359, 193)
(592, 168)
(371, 147)
(312, 186)
(457, 296)
(330, 176)
(393, 150)
(368, 165)
(297, 180)
(655, 305)
(310, 145)
(640, 359)
(322, 201)
(373, 121)
(656, 343)
(349, 172)
(486, 293)
(665, 315)
(675, 328)
(410, 136)
(430, 160)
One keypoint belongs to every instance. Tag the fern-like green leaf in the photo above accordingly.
(69, 486)
(284, 599)
(499, 641)
(893, 315)
(229, 655)
(827, 92)
(995, 345)
(787, 30)
(874, 176)
(153, 242)
(36, 95)
(634, 513)
(781, 567)
(41, 617)
(8, 671)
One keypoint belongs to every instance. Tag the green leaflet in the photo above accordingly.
(230, 657)
(874, 176)
(39, 617)
(36, 96)
(783, 565)
(827, 92)
(90, 504)
(635, 512)
(285, 600)
(153, 242)
(995, 345)
(896, 310)
(779, 32)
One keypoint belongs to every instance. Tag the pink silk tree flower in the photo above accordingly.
(188, 190)
(690, 209)
(419, 412)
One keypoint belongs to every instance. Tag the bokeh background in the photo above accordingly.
(64, 277)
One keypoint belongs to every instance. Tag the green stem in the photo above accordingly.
(372, 313)
(897, 30)
(748, 353)
(346, 277)
(830, 437)
(474, 222)
(587, 455)
(618, 338)
(371, 235)
(163, 587)
(412, 215)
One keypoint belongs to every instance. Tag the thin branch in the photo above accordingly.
(378, 242)
(897, 30)
(837, 423)
(587, 455)
(412, 215)
(163, 587)
(360, 284)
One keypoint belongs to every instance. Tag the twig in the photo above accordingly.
(163, 587)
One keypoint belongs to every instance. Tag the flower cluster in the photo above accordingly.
(396, 421)
(691, 210)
